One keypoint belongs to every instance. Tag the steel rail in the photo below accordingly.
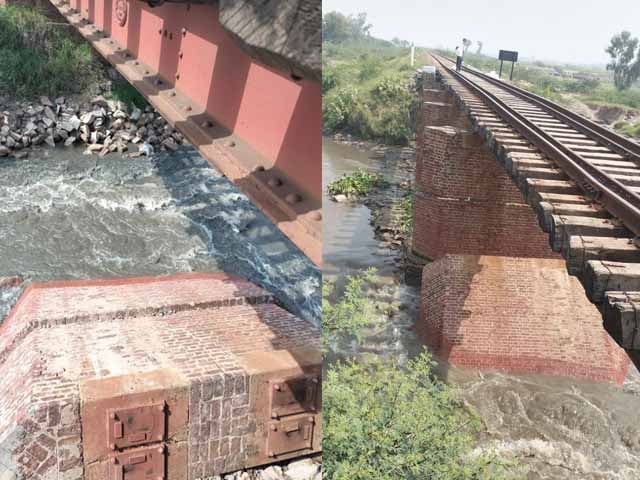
(613, 195)
(613, 141)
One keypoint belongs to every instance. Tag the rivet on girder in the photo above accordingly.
(160, 31)
(274, 428)
(231, 144)
(275, 182)
(184, 32)
(188, 108)
(271, 454)
(259, 168)
(178, 76)
(206, 124)
(158, 81)
(173, 93)
(293, 198)
(180, 55)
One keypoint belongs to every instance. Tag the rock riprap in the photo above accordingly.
(103, 125)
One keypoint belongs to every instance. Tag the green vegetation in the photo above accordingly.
(627, 128)
(40, 57)
(350, 313)
(357, 184)
(125, 92)
(367, 82)
(624, 62)
(406, 214)
(389, 422)
(386, 421)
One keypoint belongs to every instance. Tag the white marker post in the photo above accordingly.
(413, 54)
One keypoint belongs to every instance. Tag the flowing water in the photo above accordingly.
(556, 428)
(65, 215)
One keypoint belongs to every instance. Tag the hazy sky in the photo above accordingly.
(575, 31)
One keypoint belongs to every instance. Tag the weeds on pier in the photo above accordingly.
(357, 184)
(39, 56)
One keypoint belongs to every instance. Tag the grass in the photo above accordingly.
(368, 90)
(123, 91)
(627, 128)
(41, 57)
(357, 184)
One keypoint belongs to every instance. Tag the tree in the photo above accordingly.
(337, 27)
(480, 45)
(624, 64)
(466, 43)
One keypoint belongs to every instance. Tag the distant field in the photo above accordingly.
(590, 91)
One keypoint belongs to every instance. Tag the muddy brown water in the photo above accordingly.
(555, 428)
(65, 215)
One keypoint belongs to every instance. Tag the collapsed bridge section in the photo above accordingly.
(179, 377)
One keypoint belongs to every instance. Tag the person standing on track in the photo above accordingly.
(458, 59)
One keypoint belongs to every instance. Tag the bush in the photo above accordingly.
(38, 57)
(338, 107)
(386, 422)
(350, 313)
(357, 184)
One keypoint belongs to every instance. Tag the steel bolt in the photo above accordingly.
(177, 75)
(188, 108)
(277, 386)
(293, 198)
(311, 420)
(114, 461)
(271, 454)
(274, 428)
(184, 32)
(112, 416)
(180, 55)
(173, 93)
(112, 446)
(275, 182)
(274, 414)
(160, 450)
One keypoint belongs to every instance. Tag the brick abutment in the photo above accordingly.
(187, 376)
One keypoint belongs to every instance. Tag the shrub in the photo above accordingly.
(337, 108)
(387, 422)
(39, 57)
(359, 183)
(347, 315)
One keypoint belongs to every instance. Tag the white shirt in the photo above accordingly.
(458, 52)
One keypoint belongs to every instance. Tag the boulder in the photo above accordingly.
(135, 114)
(50, 114)
(305, 469)
(69, 141)
(4, 151)
(46, 101)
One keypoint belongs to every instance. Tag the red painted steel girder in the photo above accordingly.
(259, 126)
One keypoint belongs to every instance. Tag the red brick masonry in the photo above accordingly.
(195, 336)
(518, 315)
(466, 203)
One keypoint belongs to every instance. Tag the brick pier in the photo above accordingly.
(496, 296)
(185, 377)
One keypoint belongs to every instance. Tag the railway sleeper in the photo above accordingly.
(545, 210)
(533, 187)
(582, 249)
(563, 227)
(602, 276)
(621, 318)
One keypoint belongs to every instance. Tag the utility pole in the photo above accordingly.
(413, 54)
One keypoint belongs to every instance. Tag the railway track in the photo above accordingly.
(582, 179)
